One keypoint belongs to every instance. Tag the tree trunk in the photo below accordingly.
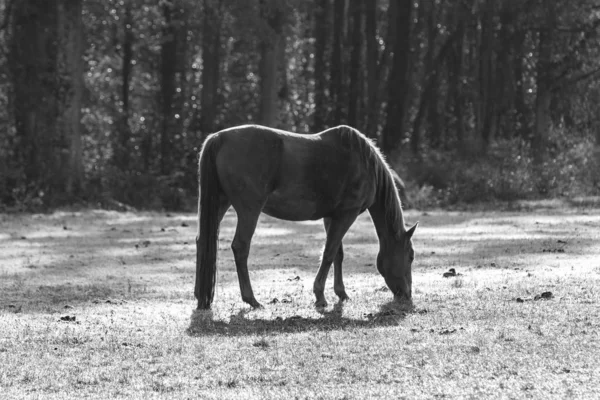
(372, 68)
(430, 96)
(505, 93)
(270, 48)
(70, 71)
(486, 104)
(122, 150)
(383, 70)
(167, 86)
(47, 71)
(337, 92)
(398, 85)
(520, 105)
(321, 40)
(456, 82)
(355, 92)
(211, 64)
(543, 84)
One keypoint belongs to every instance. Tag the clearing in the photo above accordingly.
(99, 304)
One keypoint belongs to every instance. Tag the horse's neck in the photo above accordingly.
(385, 225)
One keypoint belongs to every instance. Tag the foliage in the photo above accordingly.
(507, 172)
(487, 113)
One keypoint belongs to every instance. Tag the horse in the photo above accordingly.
(334, 175)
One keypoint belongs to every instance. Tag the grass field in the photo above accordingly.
(99, 304)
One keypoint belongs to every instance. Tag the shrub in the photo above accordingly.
(147, 191)
(506, 172)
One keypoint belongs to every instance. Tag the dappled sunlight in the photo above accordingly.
(126, 295)
(150, 255)
(272, 231)
(311, 223)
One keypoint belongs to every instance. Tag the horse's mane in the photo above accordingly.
(380, 170)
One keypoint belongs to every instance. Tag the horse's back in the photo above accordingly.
(299, 177)
(249, 157)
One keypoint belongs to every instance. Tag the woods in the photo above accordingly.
(471, 100)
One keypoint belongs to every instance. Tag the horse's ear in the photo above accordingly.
(411, 231)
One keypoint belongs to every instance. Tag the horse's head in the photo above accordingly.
(394, 264)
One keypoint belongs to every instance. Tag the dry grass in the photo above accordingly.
(127, 280)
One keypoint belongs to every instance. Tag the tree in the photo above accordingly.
(486, 101)
(373, 68)
(211, 64)
(398, 84)
(355, 92)
(122, 147)
(271, 46)
(322, 11)
(337, 90)
(46, 48)
(543, 84)
(167, 83)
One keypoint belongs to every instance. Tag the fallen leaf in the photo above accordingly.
(447, 331)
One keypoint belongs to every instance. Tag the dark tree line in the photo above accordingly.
(469, 99)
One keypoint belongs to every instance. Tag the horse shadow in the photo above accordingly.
(203, 323)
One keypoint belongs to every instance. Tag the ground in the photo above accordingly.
(99, 304)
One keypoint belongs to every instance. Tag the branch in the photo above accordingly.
(575, 79)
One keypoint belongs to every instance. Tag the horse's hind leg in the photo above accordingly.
(246, 226)
(338, 279)
(335, 233)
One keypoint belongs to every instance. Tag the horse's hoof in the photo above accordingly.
(256, 305)
(321, 303)
(252, 302)
(343, 297)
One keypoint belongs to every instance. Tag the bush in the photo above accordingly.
(507, 173)
(573, 166)
(147, 191)
(16, 193)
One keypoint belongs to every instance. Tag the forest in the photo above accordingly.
(107, 102)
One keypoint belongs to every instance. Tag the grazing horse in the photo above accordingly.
(336, 175)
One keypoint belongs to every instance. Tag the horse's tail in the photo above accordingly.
(208, 223)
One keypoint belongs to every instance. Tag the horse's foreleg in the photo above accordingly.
(338, 280)
(246, 226)
(335, 233)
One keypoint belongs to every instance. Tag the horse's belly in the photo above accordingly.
(295, 209)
